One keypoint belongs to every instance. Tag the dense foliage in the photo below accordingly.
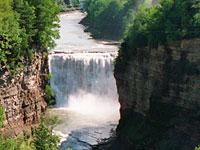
(170, 21)
(110, 16)
(26, 24)
(44, 139)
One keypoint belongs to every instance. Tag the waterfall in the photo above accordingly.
(84, 85)
(84, 82)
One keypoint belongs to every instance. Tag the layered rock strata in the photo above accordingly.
(159, 95)
(22, 95)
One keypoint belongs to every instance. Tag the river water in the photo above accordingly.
(84, 85)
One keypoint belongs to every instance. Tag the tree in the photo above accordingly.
(10, 40)
(26, 21)
(46, 22)
(26, 17)
(44, 139)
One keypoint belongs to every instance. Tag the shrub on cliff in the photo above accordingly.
(2, 116)
(170, 21)
(50, 96)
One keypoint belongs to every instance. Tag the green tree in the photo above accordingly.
(46, 22)
(27, 17)
(10, 40)
(44, 138)
(26, 22)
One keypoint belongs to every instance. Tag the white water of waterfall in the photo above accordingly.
(84, 86)
(84, 82)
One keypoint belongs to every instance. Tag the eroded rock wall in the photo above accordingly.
(159, 95)
(22, 95)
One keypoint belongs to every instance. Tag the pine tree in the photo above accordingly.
(10, 39)
(26, 21)
(27, 17)
(46, 22)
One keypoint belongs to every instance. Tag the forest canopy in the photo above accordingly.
(25, 25)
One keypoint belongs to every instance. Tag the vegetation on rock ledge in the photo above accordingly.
(50, 97)
(171, 20)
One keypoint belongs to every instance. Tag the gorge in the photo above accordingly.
(141, 94)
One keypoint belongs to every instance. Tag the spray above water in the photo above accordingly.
(84, 82)
(96, 106)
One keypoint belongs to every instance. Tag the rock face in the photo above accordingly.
(159, 95)
(22, 95)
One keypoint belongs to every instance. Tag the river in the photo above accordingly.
(84, 85)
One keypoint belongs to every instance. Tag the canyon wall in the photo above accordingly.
(22, 95)
(159, 95)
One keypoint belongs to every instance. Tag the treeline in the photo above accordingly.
(26, 25)
(110, 18)
(171, 20)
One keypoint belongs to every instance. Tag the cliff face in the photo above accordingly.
(22, 96)
(159, 95)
